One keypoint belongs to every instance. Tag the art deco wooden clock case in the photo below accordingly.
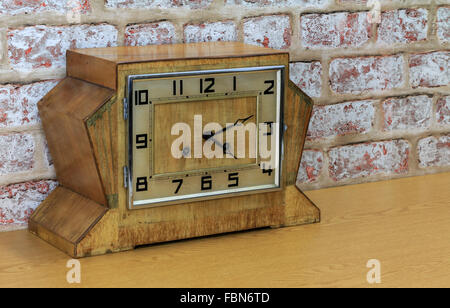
(115, 128)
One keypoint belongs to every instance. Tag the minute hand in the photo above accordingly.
(207, 136)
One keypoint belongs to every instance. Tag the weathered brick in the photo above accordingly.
(443, 111)
(18, 103)
(367, 159)
(45, 46)
(15, 7)
(341, 119)
(434, 151)
(16, 153)
(335, 30)
(443, 24)
(403, 26)
(429, 69)
(18, 201)
(150, 34)
(367, 4)
(354, 2)
(357, 75)
(210, 31)
(310, 166)
(413, 112)
(308, 76)
(269, 31)
(162, 4)
(281, 3)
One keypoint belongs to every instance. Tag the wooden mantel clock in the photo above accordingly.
(153, 144)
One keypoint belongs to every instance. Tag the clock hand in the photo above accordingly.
(226, 151)
(243, 120)
(223, 146)
(208, 135)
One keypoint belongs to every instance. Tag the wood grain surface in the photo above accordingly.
(100, 65)
(63, 112)
(64, 218)
(297, 114)
(221, 111)
(403, 223)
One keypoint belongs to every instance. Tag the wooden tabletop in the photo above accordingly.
(404, 223)
(133, 54)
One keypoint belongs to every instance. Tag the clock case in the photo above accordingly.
(83, 119)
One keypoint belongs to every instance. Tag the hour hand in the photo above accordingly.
(226, 150)
(207, 135)
(225, 147)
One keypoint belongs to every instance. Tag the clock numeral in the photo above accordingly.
(206, 182)
(235, 178)
(269, 90)
(268, 171)
(141, 184)
(174, 87)
(270, 124)
(180, 182)
(141, 141)
(209, 88)
(141, 97)
(234, 83)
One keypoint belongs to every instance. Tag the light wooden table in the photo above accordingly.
(405, 224)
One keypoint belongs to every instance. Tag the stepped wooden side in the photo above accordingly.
(64, 112)
(65, 218)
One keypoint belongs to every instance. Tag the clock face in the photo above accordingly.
(204, 134)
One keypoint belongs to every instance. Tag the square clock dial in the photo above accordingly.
(204, 134)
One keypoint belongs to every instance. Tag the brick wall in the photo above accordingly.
(381, 89)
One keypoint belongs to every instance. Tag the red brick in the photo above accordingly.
(358, 75)
(18, 103)
(308, 76)
(413, 112)
(16, 153)
(284, 3)
(443, 111)
(162, 4)
(18, 201)
(429, 69)
(443, 24)
(210, 32)
(15, 7)
(341, 119)
(335, 30)
(434, 151)
(403, 26)
(354, 2)
(368, 159)
(310, 166)
(269, 31)
(45, 46)
(150, 34)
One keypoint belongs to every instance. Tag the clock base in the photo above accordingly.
(81, 227)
